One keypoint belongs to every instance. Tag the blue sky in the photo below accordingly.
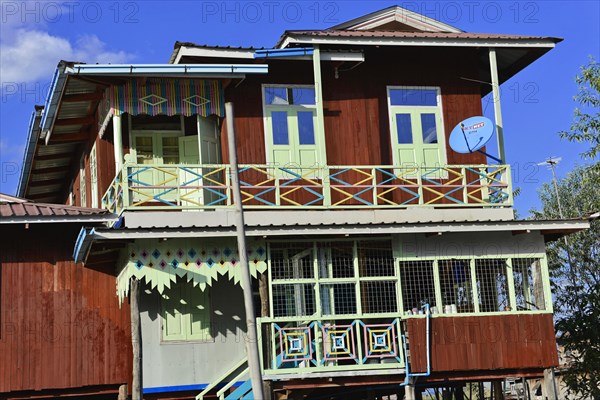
(537, 103)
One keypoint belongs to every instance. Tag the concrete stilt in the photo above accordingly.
(549, 385)
(409, 392)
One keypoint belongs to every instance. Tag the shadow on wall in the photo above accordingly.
(224, 301)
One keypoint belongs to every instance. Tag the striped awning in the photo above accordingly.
(163, 96)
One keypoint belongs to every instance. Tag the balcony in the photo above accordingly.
(322, 345)
(209, 187)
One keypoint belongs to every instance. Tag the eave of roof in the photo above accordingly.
(14, 210)
(278, 223)
(401, 38)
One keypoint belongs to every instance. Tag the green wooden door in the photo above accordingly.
(415, 136)
(416, 127)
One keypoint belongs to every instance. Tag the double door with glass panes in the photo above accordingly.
(168, 165)
(416, 127)
(290, 121)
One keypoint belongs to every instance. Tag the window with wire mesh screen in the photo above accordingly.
(492, 285)
(375, 259)
(291, 261)
(293, 299)
(376, 262)
(455, 285)
(335, 259)
(418, 287)
(529, 287)
(336, 262)
(338, 298)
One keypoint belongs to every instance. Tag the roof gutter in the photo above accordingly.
(83, 244)
(291, 38)
(45, 219)
(53, 99)
(33, 136)
(180, 70)
(289, 52)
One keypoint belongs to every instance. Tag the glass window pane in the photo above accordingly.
(404, 128)
(276, 95)
(143, 149)
(306, 127)
(303, 96)
(279, 124)
(413, 97)
(429, 128)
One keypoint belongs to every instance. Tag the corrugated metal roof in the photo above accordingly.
(402, 34)
(14, 207)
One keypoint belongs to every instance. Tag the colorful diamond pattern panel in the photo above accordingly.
(339, 342)
(295, 343)
(201, 262)
(380, 341)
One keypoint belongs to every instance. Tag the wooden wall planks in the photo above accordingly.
(61, 325)
(484, 343)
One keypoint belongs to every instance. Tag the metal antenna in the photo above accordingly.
(552, 162)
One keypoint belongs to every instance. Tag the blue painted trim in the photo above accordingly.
(184, 388)
(28, 155)
(83, 243)
(291, 52)
(166, 69)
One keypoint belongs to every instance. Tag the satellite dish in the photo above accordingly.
(471, 134)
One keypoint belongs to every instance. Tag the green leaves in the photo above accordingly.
(575, 271)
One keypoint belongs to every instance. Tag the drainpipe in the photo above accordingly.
(407, 380)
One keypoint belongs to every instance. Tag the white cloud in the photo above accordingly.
(31, 55)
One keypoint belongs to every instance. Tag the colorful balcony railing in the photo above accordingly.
(320, 345)
(267, 186)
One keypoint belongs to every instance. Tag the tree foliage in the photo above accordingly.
(575, 261)
(586, 124)
(575, 271)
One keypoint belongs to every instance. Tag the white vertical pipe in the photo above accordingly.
(118, 142)
(251, 339)
(497, 108)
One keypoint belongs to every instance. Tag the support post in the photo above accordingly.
(409, 392)
(498, 392)
(496, 98)
(263, 290)
(122, 392)
(549, 385)
(118, 142)
(251, 340)
(136, 340)
(320, 128)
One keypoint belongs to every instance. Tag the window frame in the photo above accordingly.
(82, 182)
(188, 287)
(94, 185)
(441, 133)
(320, 153)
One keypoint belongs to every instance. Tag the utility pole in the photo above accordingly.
(549, 377)
(251, 340)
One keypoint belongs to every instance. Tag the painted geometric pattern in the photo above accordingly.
(167, 97)
(295, 343)
(201, 262)
(380, 341)
(339, 342)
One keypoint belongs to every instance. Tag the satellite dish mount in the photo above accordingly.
(471, 135)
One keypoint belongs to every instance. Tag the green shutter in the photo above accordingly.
(186, 314)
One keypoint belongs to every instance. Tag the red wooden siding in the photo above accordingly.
(484, 343)
(61, 323)
(355, 105)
